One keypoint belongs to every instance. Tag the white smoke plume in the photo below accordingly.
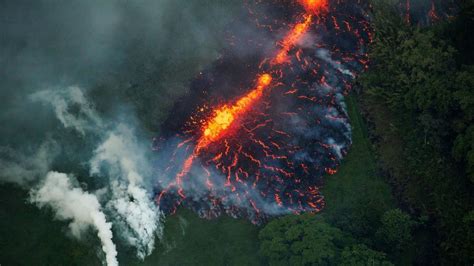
(326, 56)
(81, 208)
(122, 159)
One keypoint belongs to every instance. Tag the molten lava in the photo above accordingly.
(291, 39)
(314, 6)
(224, 116)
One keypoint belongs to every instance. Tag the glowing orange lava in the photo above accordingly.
(291, 39)
(224, 116)
(314, 6)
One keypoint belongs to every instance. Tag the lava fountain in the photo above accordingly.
(224, 116)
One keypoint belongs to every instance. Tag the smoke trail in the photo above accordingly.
(325, 55)
(62, 101)
(22, 169)
(82, 208)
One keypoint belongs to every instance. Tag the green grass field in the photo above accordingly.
(190, 240)
(30, 236)
(356, 194)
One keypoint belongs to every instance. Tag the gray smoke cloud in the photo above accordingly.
(82, 209)
(85, 84)
(325, 55)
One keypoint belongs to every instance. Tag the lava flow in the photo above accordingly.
(265, 152)
(312, 7)
(225, 115)
(223, 118)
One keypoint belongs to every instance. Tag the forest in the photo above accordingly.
(417, 102)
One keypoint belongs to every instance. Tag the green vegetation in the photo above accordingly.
(301, 240)
(395, 231)
(29, 236)
(309, 240)
(190, 240)
(360, 254)
(356, 197)
(418, 96)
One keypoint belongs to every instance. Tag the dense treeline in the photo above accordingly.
(418, 100)
(425, 76)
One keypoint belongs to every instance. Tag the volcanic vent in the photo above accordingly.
(266, 121)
